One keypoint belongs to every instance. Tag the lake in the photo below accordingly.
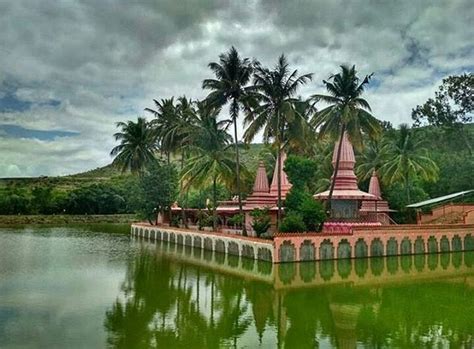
(94, 287)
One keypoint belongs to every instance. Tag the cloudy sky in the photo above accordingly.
(70, 69)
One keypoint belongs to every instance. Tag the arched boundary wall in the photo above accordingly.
(374, 242)
(247, 247)
(360, 243)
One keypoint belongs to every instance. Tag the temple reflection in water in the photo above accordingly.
(174, 296)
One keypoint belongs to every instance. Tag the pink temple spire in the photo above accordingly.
(261, 180)
(345, 177)
(374, 186)
(285, 183)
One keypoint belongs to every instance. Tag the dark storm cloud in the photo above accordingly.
(80, 66)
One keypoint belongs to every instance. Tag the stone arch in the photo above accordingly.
(419, 245)
(361, 249)
(444, 244)
(233, 248)
(248, 251)
(172, 238)
(344, 250)
(405, 246)
(158, 235)
(468, 243)
(208, 243)
(287, 251)
(376, 248)
(141, 232)
(307, 251)
(220, 246)
(392, 247)
(264, 254)
(188, 240)
(165, 236)
(197, 242)
(432, 245)
(456, 243)
(326, 250)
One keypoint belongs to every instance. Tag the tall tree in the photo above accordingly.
(166, 115)
(406, 159)
(230, 86)
(276, 111)
(371, 160)
(451, 108)
(347, 112)
(210, 159)
(137, 146)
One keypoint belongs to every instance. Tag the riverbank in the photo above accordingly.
(8, 220)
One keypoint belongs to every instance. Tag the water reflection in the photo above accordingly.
(177, 297)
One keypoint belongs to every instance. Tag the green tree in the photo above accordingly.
(210, 160)
(276, 111)
(370, 160)
(233, 74)
(260, 221)
(347, 112)
(137, 146)
(407, 160)
(159, 189)
(451, 108)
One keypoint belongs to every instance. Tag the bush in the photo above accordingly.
(312, 212)
(293, 223)
(261, 221)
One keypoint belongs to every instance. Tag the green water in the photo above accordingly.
(81, 288)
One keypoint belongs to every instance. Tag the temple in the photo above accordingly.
(348, 202)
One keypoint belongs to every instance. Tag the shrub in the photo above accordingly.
(293, 223)
(312, 212)
(261, 221)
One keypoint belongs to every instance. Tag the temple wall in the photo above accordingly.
(362, 242)
(374, 242)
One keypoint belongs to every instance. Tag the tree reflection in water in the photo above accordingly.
(174, 300)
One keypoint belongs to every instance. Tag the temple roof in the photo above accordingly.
(345, 187)
(260, 196)
(379, 205)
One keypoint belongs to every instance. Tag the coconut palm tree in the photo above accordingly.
(406, 159)
(347, 112)
(275, 90)
(371, 160)
(166, 115)
(210, 157)
(232, 75)
(137, 146)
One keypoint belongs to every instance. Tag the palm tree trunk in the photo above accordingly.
(336, 169)
(237, 170)
(279, 184)
(183, 211)
(407, 189)
(214, 199)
